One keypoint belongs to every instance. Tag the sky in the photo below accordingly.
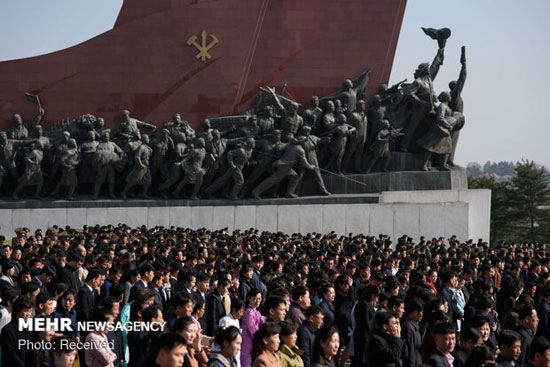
(507, 48)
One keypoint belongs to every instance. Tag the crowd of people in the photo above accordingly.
(259, 299)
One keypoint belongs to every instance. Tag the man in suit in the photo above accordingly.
(509, 343)
(87, 295)
(12, 354)
(527, 327)
(307, 330)
(147, 273)
(411, 334)
(215, 308)
(385, 346)
(450, 281)
(87, 299)
(67, 274)
(469, 338)
(540, 352)
(203, 286)
(44, 277)
(445, 340)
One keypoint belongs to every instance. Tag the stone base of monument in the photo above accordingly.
(455, 179)
(460, 212)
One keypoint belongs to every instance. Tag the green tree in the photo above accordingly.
(530, 195)
(501, 213)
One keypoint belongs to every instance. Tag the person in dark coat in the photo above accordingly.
(67, 274)
(215, 309)
(146, 272)
(306, 332)
(327, 294)
(363, 313)
(343, 302)
(509, 343)
(543, 312)
(528, 323)
(87, 297)
(65, 309)
(469, 339)
(445, 340)
(450, 280)
(12, 354)
(410, 333)
(385, 346)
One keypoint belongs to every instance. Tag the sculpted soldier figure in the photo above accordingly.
(193, 173)
(129, 126)
(269, 152)
(175, 169)
(457, 104)
(55, 155)
(237, 159)
(375, 114)
(19, 131)
(438, 139)
(206, 131)
(266, 121)
(130, 150)
(420, 96)
(69, 161)
(340, 133)
(357, 141)
(291, 122)
(161, 146)
(313, 115)
(140, 174)
(381, 147)
(178, 126)
(251, 129)
(106, 156)
(348, 96)
(215, 158)
(329, 119)
(44, 140)
(293, 155)
(311, 148)
(87, 151)
(7, 154)
(32, 174)
(99, 127)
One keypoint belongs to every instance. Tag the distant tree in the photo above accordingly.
(529, 199)
(474, 169)
(501, 213)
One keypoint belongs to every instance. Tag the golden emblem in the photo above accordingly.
(203, 47)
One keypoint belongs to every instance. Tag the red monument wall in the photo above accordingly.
(146, 65)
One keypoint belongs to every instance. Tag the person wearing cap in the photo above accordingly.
(294, 155)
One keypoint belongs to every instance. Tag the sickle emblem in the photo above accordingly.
(203, 47)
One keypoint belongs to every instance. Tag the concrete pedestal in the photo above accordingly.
(464, 213)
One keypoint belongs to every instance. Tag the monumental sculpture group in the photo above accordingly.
(267, 151)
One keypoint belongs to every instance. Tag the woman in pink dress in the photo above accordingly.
(252, 319)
